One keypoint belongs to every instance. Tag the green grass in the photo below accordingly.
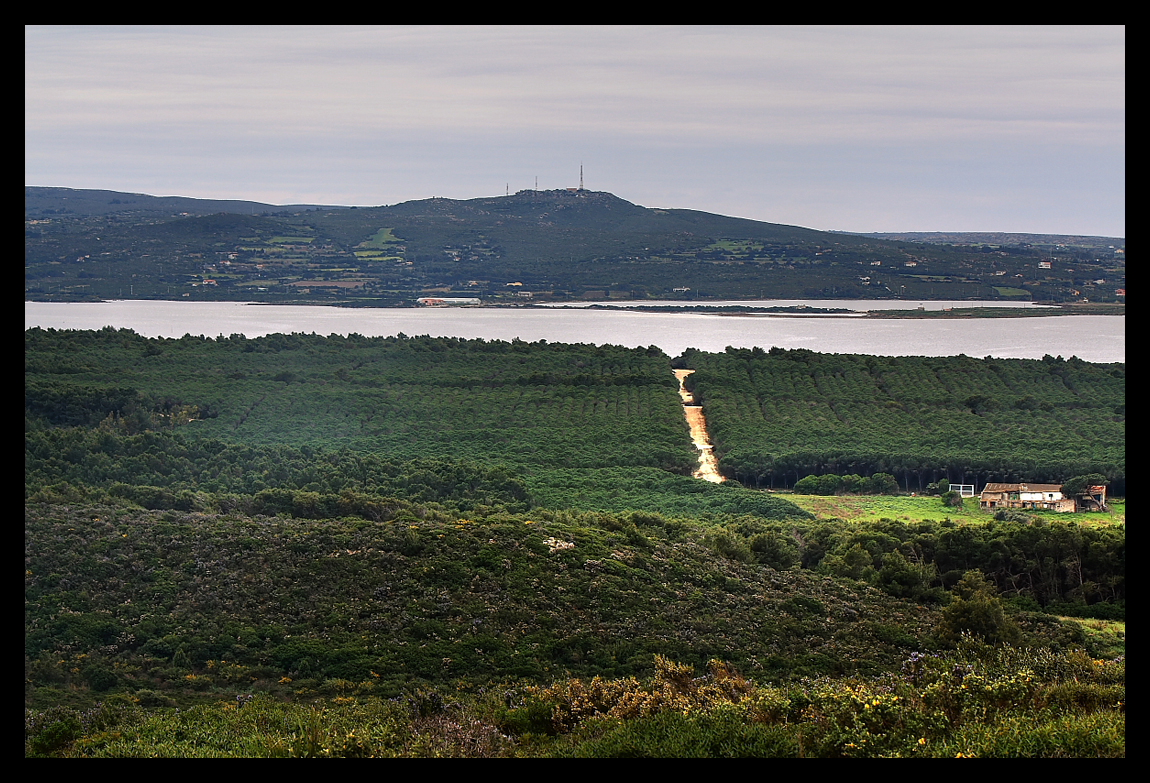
(871, 508)
(381, 239)
(1104, 637)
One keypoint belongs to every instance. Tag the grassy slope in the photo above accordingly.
(911, 509)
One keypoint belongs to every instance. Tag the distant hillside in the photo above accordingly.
(528, 247)
(1005, 239)
(43, 202)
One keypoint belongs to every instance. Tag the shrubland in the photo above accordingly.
(226, 555)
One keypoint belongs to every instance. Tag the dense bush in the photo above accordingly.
(853, 484)
(974, 702)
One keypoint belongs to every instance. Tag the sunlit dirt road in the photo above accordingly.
(708, 466)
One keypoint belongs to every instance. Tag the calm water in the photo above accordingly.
(1093, 338)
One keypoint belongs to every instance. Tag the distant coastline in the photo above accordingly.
(1020, 310)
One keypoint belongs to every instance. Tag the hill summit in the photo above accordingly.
(553, 245)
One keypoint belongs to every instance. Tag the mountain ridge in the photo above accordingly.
(555, 245)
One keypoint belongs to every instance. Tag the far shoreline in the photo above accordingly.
(1018, 310)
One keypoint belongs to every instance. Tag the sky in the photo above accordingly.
(864, 129)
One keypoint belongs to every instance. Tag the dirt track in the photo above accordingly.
(708, 466)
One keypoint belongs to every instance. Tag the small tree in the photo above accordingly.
(903, 579)
(779, 552)
(883, 484)
(977, 610)
(830, 484)
(853, 484)
(1080, 485)
(855, 563)
(807, 485)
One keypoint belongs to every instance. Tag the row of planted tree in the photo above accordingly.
(776, 416)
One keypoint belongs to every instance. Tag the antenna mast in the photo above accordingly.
(580, 176)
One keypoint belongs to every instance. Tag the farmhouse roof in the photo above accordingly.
(1022, 488)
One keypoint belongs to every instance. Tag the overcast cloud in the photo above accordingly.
(861, 129)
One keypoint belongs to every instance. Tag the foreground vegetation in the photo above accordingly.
(975, 702)
(306, 546)
(431, 632)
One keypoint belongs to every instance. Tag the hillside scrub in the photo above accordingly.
(304, 546)
(131, 598)
(975, 702)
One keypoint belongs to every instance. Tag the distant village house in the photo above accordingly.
(444, 301)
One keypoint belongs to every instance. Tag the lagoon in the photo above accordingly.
(1094, 338)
